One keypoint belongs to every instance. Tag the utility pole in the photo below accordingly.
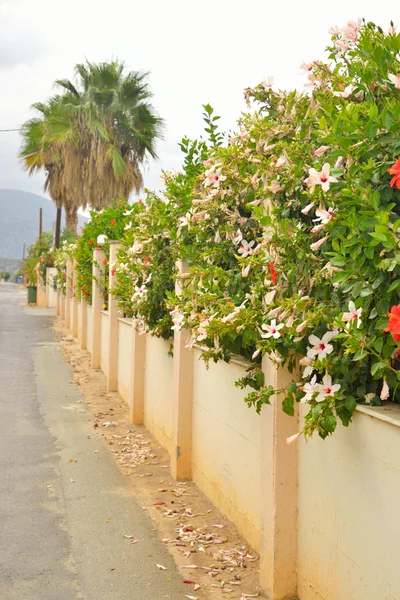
(40, 223)
(23, 253)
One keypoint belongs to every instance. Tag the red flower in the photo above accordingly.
(394, 322)
(272, 272)
(147, 260)
(113, 222)
(90, 242)
(104, 261)
(113, 272)
(395, 170)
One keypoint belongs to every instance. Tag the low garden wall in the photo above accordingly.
(322, 514)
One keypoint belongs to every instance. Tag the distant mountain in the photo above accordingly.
(19, 220)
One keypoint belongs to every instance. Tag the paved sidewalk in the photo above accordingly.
(62, 523)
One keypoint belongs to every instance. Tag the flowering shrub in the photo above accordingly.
(146, 262)
(110, 222)
(296, 225)
(61, 257)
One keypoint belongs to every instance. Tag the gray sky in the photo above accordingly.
(197, 52)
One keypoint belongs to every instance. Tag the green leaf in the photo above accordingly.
(288, 406)
(378, 366)
(329, 423)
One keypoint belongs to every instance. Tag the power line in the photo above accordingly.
(4, 130)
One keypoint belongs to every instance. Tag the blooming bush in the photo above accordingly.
(61, 256)
(110, 222)
(296, 225)
(146, 262)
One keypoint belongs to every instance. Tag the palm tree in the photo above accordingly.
(94, 137)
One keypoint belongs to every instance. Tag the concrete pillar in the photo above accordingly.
(97, 305)
(113, 324)
(47, 284)
(279, 476)
(58, 305)
(136, 399)
(74, 312)
(68, 294)
(182, 397)
(62, 305)
(83, 324)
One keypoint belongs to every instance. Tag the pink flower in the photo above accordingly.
(395, 79)
(301, 327)
(320, 348)
(353, 314)
(178, 320)
(280, 162)
(317, 244)
(256, 353)
(307, 208)
(213, 177)
(327, 388)
(342, 45)
(275, 311)
(306, 67)
(268, 148)
(272, 330)
(391, 30)
(313, 81)
(317, 228)
(292, 439)
(323, 178)
(385, 391)
(217, 237)
(274, 187)
(334, 30)
(321, 150)
(233, 140)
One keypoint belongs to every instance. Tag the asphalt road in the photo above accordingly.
(62, 523)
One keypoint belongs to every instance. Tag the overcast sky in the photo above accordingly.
(197, 52)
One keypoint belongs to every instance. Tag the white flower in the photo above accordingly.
(128, 226)
(310, 388)
(353, 314)
(272, 330)
(201, 333)
(238, 237)
(246, 248)
(348, 90)
(136, 248)
(320, 348)
(127, 213)
(245, 270)
(268, 82)
(256, 353)
(213, 177)
(280, 162)
(321, 150)
(395, 79)
(140, 292)
(323, 178)
(101, 239)
(326, 388)
(385, 391)
(178, 320)
(324, 216)
(306, 362)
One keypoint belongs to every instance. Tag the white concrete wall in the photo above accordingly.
(52, 293)
(349, 528)
(158, 390)
(89, 339)
(124, 358)
(79, 321)
(226, 445)
(104, 342)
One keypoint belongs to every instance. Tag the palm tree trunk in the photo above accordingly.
(58, 228)
(71, 219)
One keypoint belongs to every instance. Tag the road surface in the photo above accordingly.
(62, 523)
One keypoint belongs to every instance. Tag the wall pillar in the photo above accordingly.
(68, 294)
(83, 324)
(113, 324)
(279, 477)
(74, 312)
(62, 306)
(97, 305)
(136, 396)
(182, 397)
(58, 305)
(47, 283)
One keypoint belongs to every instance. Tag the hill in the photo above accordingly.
(19, 220)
